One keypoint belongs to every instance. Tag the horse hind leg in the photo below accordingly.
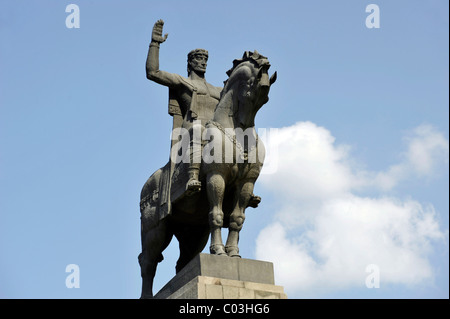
(155, 240)
(148, 270)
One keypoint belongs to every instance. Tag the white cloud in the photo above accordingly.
(309, 165)
(427, 149)
(325, 235)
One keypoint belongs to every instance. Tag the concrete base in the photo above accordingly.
(220, 277)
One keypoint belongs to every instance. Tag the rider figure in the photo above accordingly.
(196, 97)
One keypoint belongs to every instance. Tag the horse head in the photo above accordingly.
(250, 83)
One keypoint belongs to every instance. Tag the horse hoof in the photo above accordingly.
(254, 201)
(232, 251)
(217, 250)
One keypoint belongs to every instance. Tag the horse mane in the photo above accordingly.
(258, 59)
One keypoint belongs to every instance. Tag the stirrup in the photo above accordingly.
(193, 186)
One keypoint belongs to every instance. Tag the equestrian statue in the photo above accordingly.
(216, 157)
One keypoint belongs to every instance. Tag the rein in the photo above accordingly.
(243, 153)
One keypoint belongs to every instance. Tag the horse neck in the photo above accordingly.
(224, 108)
(227, 112)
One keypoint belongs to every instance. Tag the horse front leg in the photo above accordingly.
(215, 189)
(242, 197)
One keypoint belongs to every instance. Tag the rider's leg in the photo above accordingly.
(194, 185)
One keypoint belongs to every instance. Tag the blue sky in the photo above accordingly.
(361, 117)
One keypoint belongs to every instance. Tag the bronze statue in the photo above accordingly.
(173, 201)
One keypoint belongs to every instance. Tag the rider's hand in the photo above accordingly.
(157, 32)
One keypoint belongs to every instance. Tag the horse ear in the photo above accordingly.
(273, 78)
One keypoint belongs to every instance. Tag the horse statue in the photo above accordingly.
(229, 178)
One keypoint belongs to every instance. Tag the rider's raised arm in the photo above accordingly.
(153, 71)
(152, 65)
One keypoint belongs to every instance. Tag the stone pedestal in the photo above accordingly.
(219, 277)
